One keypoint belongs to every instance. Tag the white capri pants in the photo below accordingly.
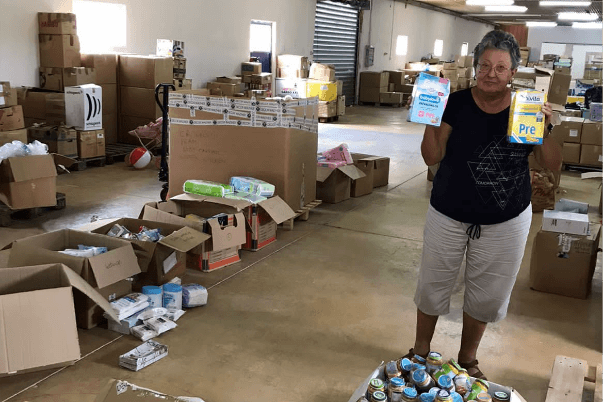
(493, 261)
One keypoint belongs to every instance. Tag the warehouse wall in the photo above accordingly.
(538, 35)
(422, 27)
(215, 33)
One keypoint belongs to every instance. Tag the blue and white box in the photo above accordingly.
(429, 98)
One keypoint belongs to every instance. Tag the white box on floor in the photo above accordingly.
(83, 107)
(564, 222)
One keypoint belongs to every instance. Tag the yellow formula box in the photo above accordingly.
(326, 91)
(526, 120)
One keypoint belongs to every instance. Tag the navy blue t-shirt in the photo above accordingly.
(483, 179)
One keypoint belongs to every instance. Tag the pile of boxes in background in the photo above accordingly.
(12, 123)
(259, 83)
(323, 84)
(372, 85)
(582, 142)
(292, 74)
(175, 50)
(593, 68)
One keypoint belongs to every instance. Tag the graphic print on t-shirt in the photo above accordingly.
(498, 172)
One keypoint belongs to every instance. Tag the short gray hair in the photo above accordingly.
(498, 40)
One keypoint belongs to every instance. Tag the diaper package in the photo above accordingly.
(526, 120)
(429, 98)
(240, 195)
(203, 187)
(339, 153)
(252, 186)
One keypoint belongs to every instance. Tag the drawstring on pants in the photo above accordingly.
(474, 231)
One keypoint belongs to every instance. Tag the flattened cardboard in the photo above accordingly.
(36, 303)
(122, 391)
(151, 213)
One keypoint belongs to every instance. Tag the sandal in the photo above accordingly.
(411, 353)
(473, 370)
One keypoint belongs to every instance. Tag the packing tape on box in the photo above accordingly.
(280, 113)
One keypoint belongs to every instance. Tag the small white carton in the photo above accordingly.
(84, 107)
(565, 222)
(144, 355)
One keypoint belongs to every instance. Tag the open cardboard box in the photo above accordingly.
(162, 261)
(37, 317)
(28, 182)
(334, 185)
(379, 372)
(106, 272)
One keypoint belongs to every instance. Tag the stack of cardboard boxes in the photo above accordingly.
(450, 71)
(105, 66)
(465, 69)
(372, 85)
(582, 141)
(525, 55)
(225, 86)
(255, 80)
(324, 85)
(12, 124)
(138, 77)
(292, 74)
(399, 87)
(175, 50)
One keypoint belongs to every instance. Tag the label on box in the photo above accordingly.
(100, 135)
(169, 263)
(600, 158)
(573, 133)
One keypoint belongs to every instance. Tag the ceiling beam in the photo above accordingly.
(431, 7)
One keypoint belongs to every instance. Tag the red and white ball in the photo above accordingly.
(139, 158)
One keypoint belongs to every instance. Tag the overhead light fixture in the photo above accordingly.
(588, 25)
(548, 3)
(507, 9)
(541, 24)
(577, 16)
(489, 2)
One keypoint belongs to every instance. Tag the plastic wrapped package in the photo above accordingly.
(252, 186)
(210, 188)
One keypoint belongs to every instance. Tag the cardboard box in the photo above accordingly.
(139, 102)
(363, 185)
(404, 88)
(327, 109)
(57, 78)
(371, 79)
(226, 89)
(571, 152)
(452, 75)
(109, 95)
(57, 24)
(464, 61)
(592, 133)
(28, 182)
(559, 88)
(105, 66)
(184, 84)
(381, 175)
(83, 107)
(341, 105)
(292, 73)
(334, 185)
(390, 97)
(570, 129)
(325, 91)
(564, 264)
(450, 66)
(396, 77)
(33, 101)
(59, 51)
(91, 144)
(371, 95)
(291, 61)
(13, 135)
(144, 71)
(565, 222)
(60, 140)
(105, 272)
(110, 127)
(162, 261)
(8, 98)
(11, 118)
(249, 68)
(591, 155)
(55, 110)
(296, 88)
(209, 261)
(322, 72)
(261, 78)
(262, 228)
(38, 317)
(229, 80)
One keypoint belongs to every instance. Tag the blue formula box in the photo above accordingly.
(429, 98)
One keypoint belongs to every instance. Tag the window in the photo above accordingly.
(401, 45)
(438, 47)
(260, 38)
(92, 17)
(464, 49)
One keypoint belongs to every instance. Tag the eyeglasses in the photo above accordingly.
(484, 68)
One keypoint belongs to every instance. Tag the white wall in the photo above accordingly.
(537, 35)
(422, 27)
(215, 33)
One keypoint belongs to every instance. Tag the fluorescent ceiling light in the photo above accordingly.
(565, 3)
(507, 9)
(588, 25)
(489, 2)
(541, 23)
(577, 16)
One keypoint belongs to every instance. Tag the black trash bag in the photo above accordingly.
(592, 95)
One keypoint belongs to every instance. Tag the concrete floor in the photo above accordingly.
(309, 317)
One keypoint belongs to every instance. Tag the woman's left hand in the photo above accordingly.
(548, 113)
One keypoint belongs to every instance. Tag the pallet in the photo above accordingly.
(83, 164)
(378, 104)
(581, 168)
(328, 119)
(118, 152)
(7, 215)
(301, 214)
(568, 377)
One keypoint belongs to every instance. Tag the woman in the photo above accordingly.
(480, 203)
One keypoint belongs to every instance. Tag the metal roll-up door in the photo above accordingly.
(335, 42)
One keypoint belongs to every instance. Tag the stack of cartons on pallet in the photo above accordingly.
(372, 85)
(12, 124)
(398, 90)
(225, 86)
(582, 142)
(292, 74)
(323, 84)
(256, 80)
